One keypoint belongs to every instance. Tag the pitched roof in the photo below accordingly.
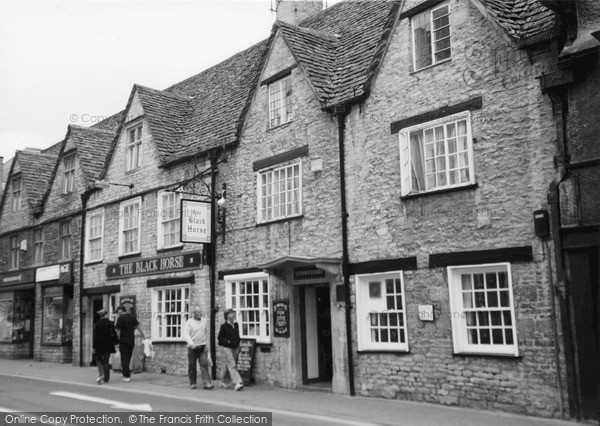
(36, 172)
(92, 147)
(522, 19)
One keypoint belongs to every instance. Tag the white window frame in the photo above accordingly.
(65, 240)
(159, 314)
(460, 314)
(17, 193)
(94, 234)
(122, 226)
(413, 25)
(134, 136)
(38, 246)
(166, 217)
(366, 307)
(14, 242)
(406, 154)
(280, 112)
(68, 174)
(265, 329)
(265, 197)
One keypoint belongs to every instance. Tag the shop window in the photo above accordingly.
(481, 300)
(381, 313)
(57, 315)
(171, 306)
(15, 317)
(249, 296)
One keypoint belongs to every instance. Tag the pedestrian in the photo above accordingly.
(195, 333)
(229, 340)
(127, 323)
(104, 341)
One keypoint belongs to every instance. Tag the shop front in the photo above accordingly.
(17, 296)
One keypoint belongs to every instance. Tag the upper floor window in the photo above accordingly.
(381, 313)
(69, 174)
(38, 245)
(95, 234)
(169, 225)
(279, 193)
(431, 37)
(134, 148)
(14, 251)
(248, 295)
(437, 155)
(16, 194)
(171, 306)
(482, 304)
(129, 226)
(280, 101)
(65, 231)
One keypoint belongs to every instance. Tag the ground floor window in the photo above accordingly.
(249, 296)
(57, 315)
(381, 314)
(481, 301)
(16, 317)
(171, 306)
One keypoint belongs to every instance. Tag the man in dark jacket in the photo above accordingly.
(104, 341)
(229, 340)
(127, 323)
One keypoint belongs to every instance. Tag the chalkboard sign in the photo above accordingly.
(281, 313)
(245, 361)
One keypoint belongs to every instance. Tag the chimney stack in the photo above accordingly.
(294, 12)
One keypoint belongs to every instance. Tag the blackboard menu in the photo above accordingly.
(245, 361)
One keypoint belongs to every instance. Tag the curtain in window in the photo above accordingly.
(417, 161)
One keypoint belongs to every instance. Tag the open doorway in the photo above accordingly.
(317, 357)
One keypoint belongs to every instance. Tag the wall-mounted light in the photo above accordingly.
(103, 184)
(221, 210)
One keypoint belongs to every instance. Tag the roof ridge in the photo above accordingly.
(329, 37)
(91, 129)
(164, 93)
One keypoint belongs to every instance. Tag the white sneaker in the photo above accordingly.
(239, 386)
(99, 380)
(126, 379)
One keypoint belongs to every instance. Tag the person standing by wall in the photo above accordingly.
(127, 323)
(195, 333)
(104, 341)
(229, 340)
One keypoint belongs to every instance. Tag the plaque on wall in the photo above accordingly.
(281, 315)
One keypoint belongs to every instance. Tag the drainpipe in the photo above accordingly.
(341, 113)
(84, 200)
(213, 260)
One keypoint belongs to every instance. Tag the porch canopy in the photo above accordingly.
(279, 266)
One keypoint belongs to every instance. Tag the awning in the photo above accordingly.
(333, 265)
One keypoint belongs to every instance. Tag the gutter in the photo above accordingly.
(84, 200)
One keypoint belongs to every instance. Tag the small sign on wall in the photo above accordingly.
(426, 312)
(281, 313)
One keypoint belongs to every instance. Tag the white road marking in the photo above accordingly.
(113, 404)
(7, 410)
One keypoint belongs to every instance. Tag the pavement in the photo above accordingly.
(319, 407)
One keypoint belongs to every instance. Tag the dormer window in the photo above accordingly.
(431, 37)
(16, 194)
(280, 101)
(69, 174)
(134, 147)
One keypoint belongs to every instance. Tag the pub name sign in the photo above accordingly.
(154, 265)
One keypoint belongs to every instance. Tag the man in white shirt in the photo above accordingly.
(195, 333)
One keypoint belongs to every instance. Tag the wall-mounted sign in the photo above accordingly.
(245, 361)
(155, 265)
(63, 272)
(195, 221)
(128, 302)
(308, 273)
(281, 315)
(426, 312)
(18, 277)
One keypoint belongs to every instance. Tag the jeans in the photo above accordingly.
(126, 351)
(103, 366)
(231, 374)
(198, 354)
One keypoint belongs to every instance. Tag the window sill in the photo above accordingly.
(94, 262)
(168, 342)
(279, 126)
(285, 219)
(440, 191)
(172, 248)
(430, 66)
(487, 355)
(129, 256)
(383, 351)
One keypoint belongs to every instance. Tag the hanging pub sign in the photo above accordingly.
(195, 222)
(281, 315)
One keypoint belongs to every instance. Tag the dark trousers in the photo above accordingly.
(126, 351)
(103, 365)
(200, 355)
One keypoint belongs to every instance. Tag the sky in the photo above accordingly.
(75, 61)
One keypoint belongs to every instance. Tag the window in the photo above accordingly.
(57, 318)
(437, 155)
(381, 314)
(15, 317)
(483, 312)
(249, 296)
(95, 233)
(134, 147)
(431, 37)
(168, 220)
(38, 246)
(14, 251)
(279, 193)
(171, 306)
(69, 174)
(65, 231)
(280, 102)
(16, 194)
(129, 227)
